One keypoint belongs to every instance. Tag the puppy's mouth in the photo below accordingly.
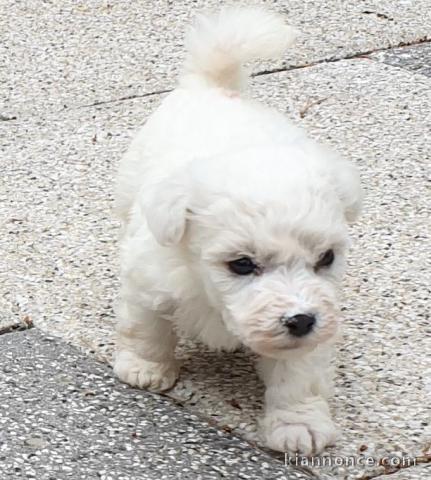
(278, 345)
(268, 337)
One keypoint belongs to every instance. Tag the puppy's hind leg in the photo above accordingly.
(145, 349)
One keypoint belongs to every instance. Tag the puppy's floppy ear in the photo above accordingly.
(349, 190)
(165, 207)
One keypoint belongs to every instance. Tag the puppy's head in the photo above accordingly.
(265, 233)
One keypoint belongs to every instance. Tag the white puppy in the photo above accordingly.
(234, 232)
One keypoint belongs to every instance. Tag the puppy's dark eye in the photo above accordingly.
(325, 260)
(242, 266)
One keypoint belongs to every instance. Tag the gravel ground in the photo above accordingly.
(59, 266)
(64, 416)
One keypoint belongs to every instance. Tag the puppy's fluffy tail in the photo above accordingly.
(219, 45)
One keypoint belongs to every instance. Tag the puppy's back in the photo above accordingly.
(200, 119)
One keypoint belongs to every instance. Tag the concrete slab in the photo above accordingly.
(64, 416)
(59, 242)
(65, 54)
(417, 58)
(6, 322)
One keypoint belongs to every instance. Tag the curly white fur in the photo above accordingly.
(213, 177)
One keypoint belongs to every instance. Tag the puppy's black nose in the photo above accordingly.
(299, 325)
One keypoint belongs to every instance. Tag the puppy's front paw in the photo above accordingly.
(305, 437)
(138, 372)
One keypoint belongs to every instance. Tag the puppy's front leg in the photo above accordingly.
(297, 417)
(145, 349)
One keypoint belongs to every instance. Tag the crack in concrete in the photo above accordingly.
(347, 57)
(128, 97)
(25, 324)
(365, 54)
(274, 70)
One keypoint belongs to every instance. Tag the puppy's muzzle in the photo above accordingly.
(299, 325)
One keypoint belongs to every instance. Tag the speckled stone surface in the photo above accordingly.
(416, 58)
(59, 263)
(6, 321)
(421, 472)
(62, 54)
(10, 323)
(63, 416)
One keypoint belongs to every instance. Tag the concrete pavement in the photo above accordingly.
(65, 54)
(64, 416)
(58, 266)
